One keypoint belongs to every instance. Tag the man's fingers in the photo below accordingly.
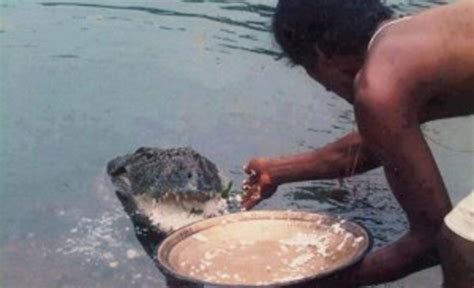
(251, 180)
(248, 192)
(248, 205)
(251, 202)
(246, 168)
(251, 197)
(249, 171)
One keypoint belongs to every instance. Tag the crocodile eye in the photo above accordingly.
(121, 170)
(148, 156)
(190, 175)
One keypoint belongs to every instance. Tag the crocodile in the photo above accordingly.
(164, 189)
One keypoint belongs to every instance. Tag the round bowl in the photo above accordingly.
(262, 249)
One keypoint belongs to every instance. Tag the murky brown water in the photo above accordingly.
(83, 82)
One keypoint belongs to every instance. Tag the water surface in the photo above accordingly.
(83, 82)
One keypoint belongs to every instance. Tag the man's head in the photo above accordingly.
(327, 37)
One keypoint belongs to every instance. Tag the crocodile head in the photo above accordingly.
(167, 187)
(159, 172)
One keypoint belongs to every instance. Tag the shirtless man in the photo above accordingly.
(398, 74)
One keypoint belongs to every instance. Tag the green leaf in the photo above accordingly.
(226, 191)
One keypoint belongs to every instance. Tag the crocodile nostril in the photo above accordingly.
(190, 175)
(121, 170)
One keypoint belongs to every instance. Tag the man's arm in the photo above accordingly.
(389, 122)
(342, 158)
(345, 157)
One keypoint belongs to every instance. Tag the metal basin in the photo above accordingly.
(262, 249)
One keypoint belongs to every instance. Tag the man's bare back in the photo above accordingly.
(434, 51)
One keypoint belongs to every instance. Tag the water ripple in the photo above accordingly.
(253, 25)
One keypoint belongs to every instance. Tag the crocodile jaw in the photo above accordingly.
(171, 212)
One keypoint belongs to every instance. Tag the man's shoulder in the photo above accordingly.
(397, 52)
(411, 49)
(395, 65)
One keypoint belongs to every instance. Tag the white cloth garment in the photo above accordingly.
(461, 219)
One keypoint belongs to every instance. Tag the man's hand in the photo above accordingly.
(258, 186)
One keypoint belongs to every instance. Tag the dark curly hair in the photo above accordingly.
(336, 27)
